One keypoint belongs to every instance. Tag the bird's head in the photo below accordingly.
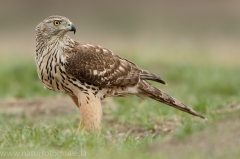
(55, 26)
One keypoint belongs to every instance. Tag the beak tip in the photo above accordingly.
(73, 28)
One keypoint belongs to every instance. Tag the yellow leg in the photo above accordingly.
(75, 100)
(80, 126)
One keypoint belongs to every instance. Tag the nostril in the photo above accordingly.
(69, 24)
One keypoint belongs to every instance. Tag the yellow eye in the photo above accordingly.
(57, 23)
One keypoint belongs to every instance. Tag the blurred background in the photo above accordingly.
(168, 28)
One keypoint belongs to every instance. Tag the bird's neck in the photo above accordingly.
(44, 45)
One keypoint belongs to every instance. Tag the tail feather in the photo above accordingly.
(158, 95)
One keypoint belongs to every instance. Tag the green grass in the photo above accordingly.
(60, 136)
(206, 88)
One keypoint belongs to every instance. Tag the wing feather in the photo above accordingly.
(99, 66)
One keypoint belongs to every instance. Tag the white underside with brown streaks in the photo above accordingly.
(52, 73)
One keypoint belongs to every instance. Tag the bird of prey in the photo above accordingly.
(89, 73)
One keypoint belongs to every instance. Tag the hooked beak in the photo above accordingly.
(72, 28)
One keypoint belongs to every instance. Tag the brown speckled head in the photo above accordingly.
(54, 25)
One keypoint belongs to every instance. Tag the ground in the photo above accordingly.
(49, 125)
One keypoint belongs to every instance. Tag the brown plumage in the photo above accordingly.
(88, 73)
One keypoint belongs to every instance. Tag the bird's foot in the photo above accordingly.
(80, 126)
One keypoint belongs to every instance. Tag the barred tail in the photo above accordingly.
(158, 95)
